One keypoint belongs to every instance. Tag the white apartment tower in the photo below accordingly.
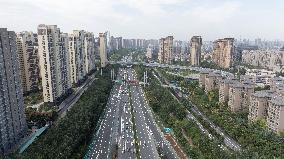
(89, 52)
(103, 49)
(195, 50)
(53, 60)
(77, 56)
(27, 46)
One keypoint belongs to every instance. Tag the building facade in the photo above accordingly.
(165, 50)
(13, 123)
(52, 59)
(77, 56)
(195, 50)
(149, 53)
(103, 49)
(212, 81)
(259, 104)
(275, 113)
(239, 96)
(223, 52)
(27, 46)
(89, 52)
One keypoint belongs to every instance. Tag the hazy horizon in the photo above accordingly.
(151, 19)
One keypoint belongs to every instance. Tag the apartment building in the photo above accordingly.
(275, 113)
(116, 43)
(77, 56)
(53, 60)
(212, 81)
(271, 59)
(277, 85)
(202, 77)
(165, 50)
(195, 50)
(259, 104)
(149, 53)
(224, 86)
(66, 71)
(89, 52)
(239, 96)
(103, 49)
(223, 52)
(27, 46)
(13, 123)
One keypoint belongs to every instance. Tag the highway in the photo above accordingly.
(127, 114)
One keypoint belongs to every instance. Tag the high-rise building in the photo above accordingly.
(195, 50)
(103, 49)
(27, 46)
(89, 52)
(149, 53)
(13, 124)
(77, 56)
(66, 71)
(166, 49)
(53, 59)
(223, 52)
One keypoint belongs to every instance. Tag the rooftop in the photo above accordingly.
(264, 93)
(278, 100)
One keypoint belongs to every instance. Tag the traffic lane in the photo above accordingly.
(157, 134)
(127, 135)
(101, 148)
(145, 140)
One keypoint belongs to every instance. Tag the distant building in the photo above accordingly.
(103, 49)
(27, 46)
(195, 50)
(270, 59)
(149, 53)
(53, 60)
(165, 50)
(13, 123)
(116, 43)
(223, 52)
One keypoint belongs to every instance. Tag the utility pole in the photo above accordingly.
(145, 78)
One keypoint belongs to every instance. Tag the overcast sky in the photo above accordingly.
(211, 19)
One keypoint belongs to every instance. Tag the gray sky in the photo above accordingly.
(151, 18)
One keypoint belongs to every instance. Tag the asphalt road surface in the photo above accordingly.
(127, 105)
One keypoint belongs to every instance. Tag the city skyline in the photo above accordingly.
(150, 19)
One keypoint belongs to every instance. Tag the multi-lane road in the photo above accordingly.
(128, 129)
